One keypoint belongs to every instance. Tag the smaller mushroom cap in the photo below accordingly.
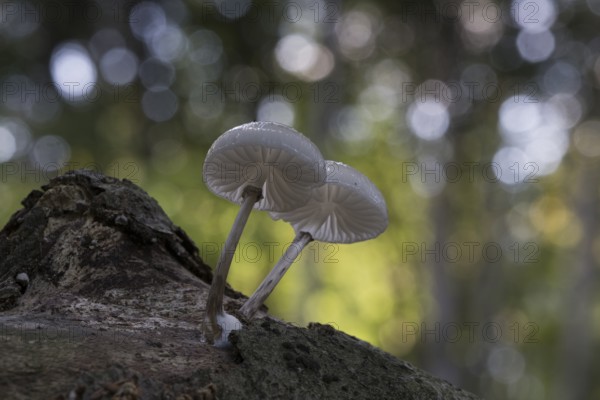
(273, 157)
(347, 208)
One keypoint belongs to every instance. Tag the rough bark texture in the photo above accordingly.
(101, 297)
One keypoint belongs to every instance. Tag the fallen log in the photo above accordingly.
(102, 297)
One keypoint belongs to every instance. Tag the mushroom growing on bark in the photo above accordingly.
(265, 165)
(347, 208)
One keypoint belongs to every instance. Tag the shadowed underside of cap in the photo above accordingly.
(271, 156)
(347, 208)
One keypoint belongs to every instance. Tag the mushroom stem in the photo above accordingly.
(214, 301)
(272, 279)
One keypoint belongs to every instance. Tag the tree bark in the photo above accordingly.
(102, 297)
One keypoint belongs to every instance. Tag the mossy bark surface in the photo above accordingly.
(102, 297)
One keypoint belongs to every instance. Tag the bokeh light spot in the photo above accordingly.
(562, 111)
(19, 131)
(19, 19)
(350, 125)
(535, 46)
(169, 43)
(534, 15)
(51, 152)
(536, 136)
(506, 364)
(428, 120)
(517, 117)
(482, 25)
(8, 144)
(303, 57)
(206, 47)
(355, 34)
(562, 77)
(508, 163)
(146, 20)
(380, 102)
(73, 72)
(276, 109)
(119, 66)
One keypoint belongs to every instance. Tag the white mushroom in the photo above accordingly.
(265, 165)
(347, 208)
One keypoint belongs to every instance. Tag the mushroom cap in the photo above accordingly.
(273, 157)
(347, 208)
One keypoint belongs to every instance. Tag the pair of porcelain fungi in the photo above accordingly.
(272, 167)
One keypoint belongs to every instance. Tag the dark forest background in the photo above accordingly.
(478, 120)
